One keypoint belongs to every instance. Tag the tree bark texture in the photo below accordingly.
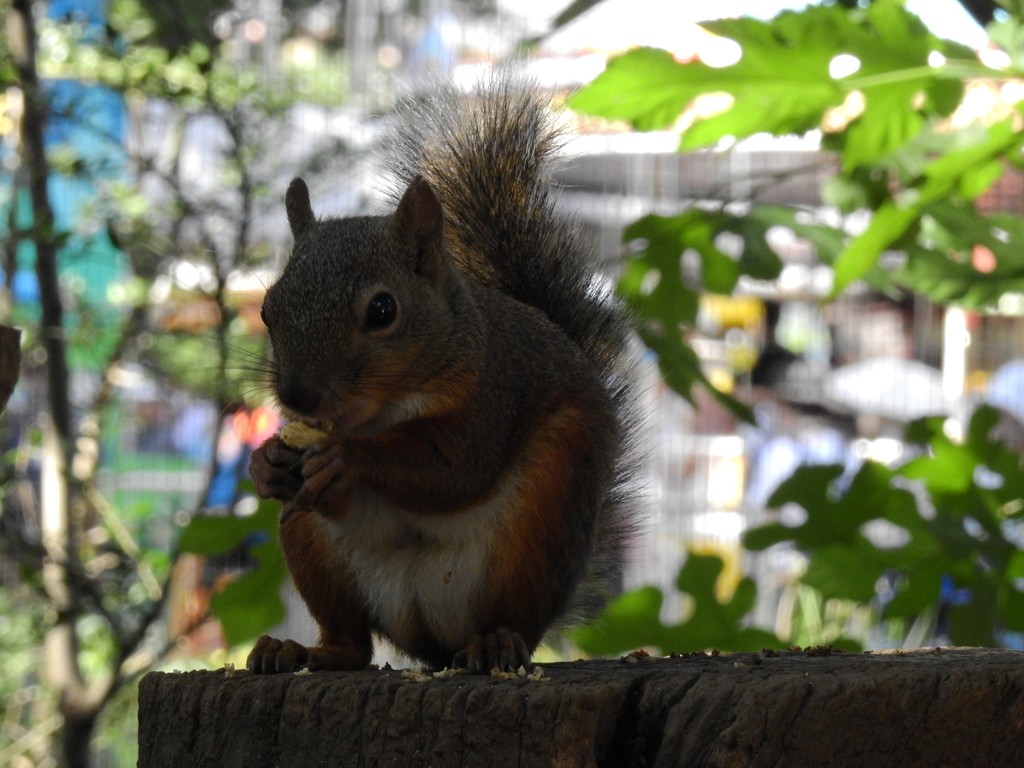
(22, 40)
(955, 707)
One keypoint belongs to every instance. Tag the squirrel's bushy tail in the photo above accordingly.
(488, 154)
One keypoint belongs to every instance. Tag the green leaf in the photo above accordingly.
(920, 589)
(941, 177)
(632, 620)
(843, 562)
(888, 122)
(1009, 35)
(207, 536)
(974, 183)
(894, 70)
(782, 83)
(1011, 609)
(681, 369)
(757, 259)
(767, 535)
(939, 265)
(250, 604)
(1015, 568)
(629, 622)
(670, 301)
(974, 624)
(949, 469)
(862, 188)
(845, 571)
(645, 87)
(667, 238)
(889, 222)
(829, 520)
(653, 287)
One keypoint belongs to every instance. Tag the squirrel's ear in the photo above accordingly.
(421, 221)
(298, 208)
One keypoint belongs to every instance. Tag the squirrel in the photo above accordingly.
(471, 485)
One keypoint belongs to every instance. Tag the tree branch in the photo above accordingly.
(22, 38)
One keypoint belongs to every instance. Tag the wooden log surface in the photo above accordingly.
(951, 707)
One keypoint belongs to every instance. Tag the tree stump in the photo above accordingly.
(946, 707)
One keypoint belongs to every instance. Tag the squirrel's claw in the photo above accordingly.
(279, 471)
(271, 655)
(276, 470)
(323, 469)
(504, 650)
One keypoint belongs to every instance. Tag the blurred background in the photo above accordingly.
(832, 433)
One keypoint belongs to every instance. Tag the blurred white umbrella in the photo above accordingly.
(889, 387)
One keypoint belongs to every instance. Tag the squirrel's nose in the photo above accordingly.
(297, 397)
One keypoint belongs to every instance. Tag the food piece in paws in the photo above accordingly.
(299, 435)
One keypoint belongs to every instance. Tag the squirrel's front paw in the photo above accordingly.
(276, 470)
(502, 649)
(323, 473)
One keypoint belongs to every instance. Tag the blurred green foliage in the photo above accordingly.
(952, 545)
(633, 619)
(251, 603)
(902, 159)
(898, 157)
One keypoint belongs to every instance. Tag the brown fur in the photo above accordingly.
(533, 574)
(323, 583)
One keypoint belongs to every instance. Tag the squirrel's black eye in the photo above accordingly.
(263, 315)
(381, 311)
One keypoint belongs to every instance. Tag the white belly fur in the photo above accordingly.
(405, 563)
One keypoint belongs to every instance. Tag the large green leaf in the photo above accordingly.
(646, 87)
(782, 82)
(250, 604)
(893, 51)
(847, 571)
(833, 518)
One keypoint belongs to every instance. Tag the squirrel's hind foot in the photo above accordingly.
(502, 649)
(270, 656)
